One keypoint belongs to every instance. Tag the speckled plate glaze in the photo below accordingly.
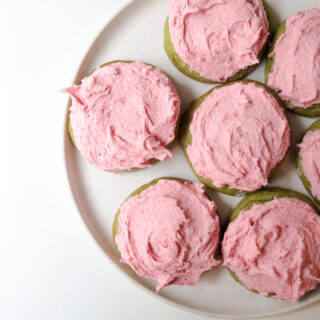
(136, 33)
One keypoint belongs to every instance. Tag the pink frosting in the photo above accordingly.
(239, 133)
(296, 72)
(218, 38)
(275, 248)
(169, 233)
(123, 115)
(310, 160)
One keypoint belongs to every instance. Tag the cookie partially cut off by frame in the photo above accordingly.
(308, 161)
(272, 244)
(216, 41)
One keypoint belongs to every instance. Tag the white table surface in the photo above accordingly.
(50, 265)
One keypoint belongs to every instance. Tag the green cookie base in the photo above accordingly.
(312, 111)
(185, 68)
(151, 161)
(186, 139)
(314, 127)
(261, 197)
(115, 226)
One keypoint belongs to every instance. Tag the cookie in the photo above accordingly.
(168, 230)
(272, 244)
(235, 137)
(308, 161)
(216, 42)
(293, 67)
(124, 115)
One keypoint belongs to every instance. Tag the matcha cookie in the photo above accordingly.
(272, 244)
(293, 68)
(124, 116)
(216, 43)
(168, 230)
(235, 136)
(308, 161)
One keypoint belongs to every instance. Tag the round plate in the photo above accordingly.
(136, 33)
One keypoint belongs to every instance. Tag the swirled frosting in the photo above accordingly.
(239, 133)
(310, 160)
(169, 233)
(296, 70)
(123, 115)
(275, 248)
(218, 38)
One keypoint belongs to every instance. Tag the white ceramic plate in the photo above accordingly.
(136, 33)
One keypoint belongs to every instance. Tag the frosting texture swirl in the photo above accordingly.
(310, 159)
(169, 232)
(123, 115)
(275, 248)
(218, 38)
(296, 70)
(239, 134)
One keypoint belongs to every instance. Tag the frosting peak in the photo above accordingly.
(218, 38)
(169, 232)
(123, 115)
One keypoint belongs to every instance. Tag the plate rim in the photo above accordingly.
(78, 74)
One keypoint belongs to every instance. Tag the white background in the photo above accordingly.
(50, 266)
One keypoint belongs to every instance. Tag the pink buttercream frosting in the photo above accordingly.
(275, 248)
(239, 133)
(310, 160)
(296, 71)
(218, 38)
(169, 233)
(123, 115)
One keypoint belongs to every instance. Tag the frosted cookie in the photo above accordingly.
(272, 244)
(293, 67)
(216, 41)
(124, 115)
(308, 161)
(235, 136)
(168, 230)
